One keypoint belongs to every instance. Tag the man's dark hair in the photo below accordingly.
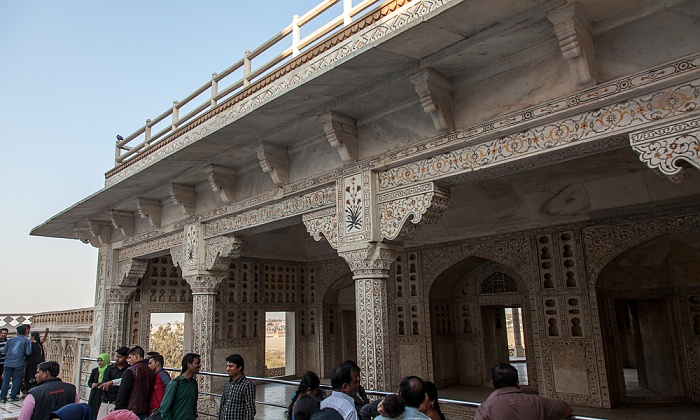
(393, 405)
(122, 351)
(156, 357)
(352, 365)
(21, 330)
(137, 350)
(504, 375)
(341, 375)
(237, 360)
(4, 329)
(187, 359)
(327, 414)
(50, 366)
(412, 390)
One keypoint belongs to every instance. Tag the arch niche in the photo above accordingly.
(339, 324)
(649, 300)
(471, 309)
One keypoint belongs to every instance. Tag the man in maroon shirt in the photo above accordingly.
(137, 385)
(509, 402)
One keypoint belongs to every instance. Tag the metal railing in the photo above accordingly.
(294, 384)
(126, 151)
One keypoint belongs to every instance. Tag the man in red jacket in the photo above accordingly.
(137, 385)
(155, 362)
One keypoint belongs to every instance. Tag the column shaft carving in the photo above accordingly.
(370, 267)
(117, 318)
(204, 289)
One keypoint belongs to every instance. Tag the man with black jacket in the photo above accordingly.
(48, 395)
(111, 381)
(137, 385)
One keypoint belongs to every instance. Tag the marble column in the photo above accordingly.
(117, 320)
(517, 337)
(204, 289)
(370, 268)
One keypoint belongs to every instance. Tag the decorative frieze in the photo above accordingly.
(151, 247)
(600, 123)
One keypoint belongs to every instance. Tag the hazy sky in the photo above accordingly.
(73, 74)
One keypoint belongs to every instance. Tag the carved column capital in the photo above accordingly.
(373, 260)
(205, 283)
(130, 271)
(670, 148)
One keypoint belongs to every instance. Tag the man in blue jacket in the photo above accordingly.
(16, 350)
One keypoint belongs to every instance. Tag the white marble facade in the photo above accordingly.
(435, 164)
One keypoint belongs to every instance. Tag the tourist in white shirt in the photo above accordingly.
(344, 381)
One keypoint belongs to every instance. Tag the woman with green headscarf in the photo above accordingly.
(95, 380)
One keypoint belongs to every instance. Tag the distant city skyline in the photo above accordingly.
(76, 74)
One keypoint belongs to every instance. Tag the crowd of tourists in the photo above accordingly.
(136, 387)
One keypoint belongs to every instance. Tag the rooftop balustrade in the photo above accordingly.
(221, 86)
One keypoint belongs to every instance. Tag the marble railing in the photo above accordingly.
(68, 339)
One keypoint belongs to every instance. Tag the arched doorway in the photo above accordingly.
(649, 315)
(479, 312)
(340, 325)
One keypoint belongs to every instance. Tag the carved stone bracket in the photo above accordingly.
(177, 254)
(423, 202)
(323, 222)
(573, 29)
(150, 210)
(130, 271)
(342, 134)
(119, 294)
(123, 220)
(435, 92)
(669, 148)
(372, 261)
(275, 161)
(184, 196)
(97, 233)
(219, 251)
(221, 181)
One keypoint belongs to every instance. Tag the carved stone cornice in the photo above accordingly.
(205, 283)
(184, 196)
(573, 29)
(372, 261)
(669, 148)
(219, 251)
(118, 294)
(323, 222)
(275, 161)
(149, 210)
(122, 221)
(130, 271)
(421, 203)
(341, 132)
(435, 92)
(221, 181)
